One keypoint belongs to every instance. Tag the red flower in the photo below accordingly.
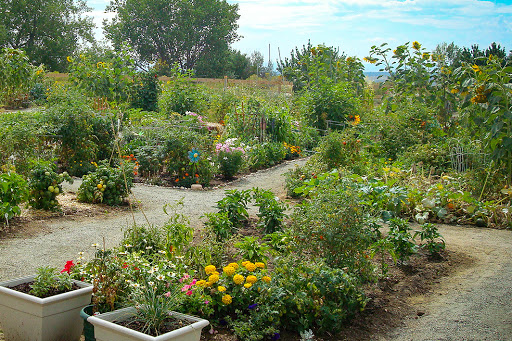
(67, 268)
(125, 265)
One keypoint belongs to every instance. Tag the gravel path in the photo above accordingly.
(474, 303)
(61, 240)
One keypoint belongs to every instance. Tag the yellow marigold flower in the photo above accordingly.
(233, 265)
(226, 299)
(247, 285)
(213, 278)
(250, 266)
(201, 283)
(221, 288)
(69, 59)
(260, 265)
(208, 284)
(251, 279)
(209, 269)
(266, 279)
(245, 262)
(454, 91)
(229, 270)
(238, 279)
(416, 45)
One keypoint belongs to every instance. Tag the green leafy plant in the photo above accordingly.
(17, 76)
(178, 232)
(400, 236)
(13, 191)
(429, 233)
(235, 205)
(49, 281)
(45, 185)
(220, 225)
(146, 91)
(271, 210)
(180, 95)
(106, 184)
(252, 249)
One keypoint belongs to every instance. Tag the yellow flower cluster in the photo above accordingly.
(229, 270)
(250, 266)
(251, 279)
(238, 279)
(210, 269)
(227, 299)
(266, 279)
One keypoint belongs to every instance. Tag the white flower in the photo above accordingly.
(128, 245)
(151, 283)
(149, 247)
(136, 285)
(161, 251)
(160, 277)
(94, 245)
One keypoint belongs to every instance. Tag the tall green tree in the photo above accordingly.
(179, 31)
(48, 30)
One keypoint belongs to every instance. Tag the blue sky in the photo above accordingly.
(354, 26)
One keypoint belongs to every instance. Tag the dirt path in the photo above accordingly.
(474, 303)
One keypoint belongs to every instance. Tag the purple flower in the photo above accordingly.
(276, 336)
(253, 306)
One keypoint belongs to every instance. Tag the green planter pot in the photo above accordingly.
(88, 333)
(24, 317)
(106, 330)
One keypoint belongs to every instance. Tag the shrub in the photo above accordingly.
(44, 186)
(17, 76)
(106, 184)
(401, 238)
(430, 156)
(13, 191)
(81, 135)
(229, 158)
(341, 149)
(20, 140)
(146, 91)
(180, 94)
(333, 225)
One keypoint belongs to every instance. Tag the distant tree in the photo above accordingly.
(450, 53)
(229, 62)
(474, 55)
(257, 60)
(179, 31)
(47, 30)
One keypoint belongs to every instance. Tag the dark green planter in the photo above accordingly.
(88, 328)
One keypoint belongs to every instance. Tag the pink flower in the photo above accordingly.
(193, 282)
(186, 287)
(206, 302)
(167, 294)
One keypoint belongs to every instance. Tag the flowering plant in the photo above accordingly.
(236, 287)
(230, 157)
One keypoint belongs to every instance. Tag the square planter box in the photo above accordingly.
(106, 330)
(24, 317)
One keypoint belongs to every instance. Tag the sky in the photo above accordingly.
(354, 26)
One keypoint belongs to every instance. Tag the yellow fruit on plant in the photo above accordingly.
(56, 190)
(51, 188)
(100, 186)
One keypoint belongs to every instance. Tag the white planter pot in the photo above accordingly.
(106, 330)
(25, 317)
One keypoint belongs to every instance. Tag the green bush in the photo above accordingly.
(20, 140)
(13, 191)
(45, 185)
(430, 156)
(17, 77)
(220, 225)
(81, 135)
(342, 149)
(235, 205)
(271, 210)
(107, 185)
(180, 95)
(146, 91)
(333, 225)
